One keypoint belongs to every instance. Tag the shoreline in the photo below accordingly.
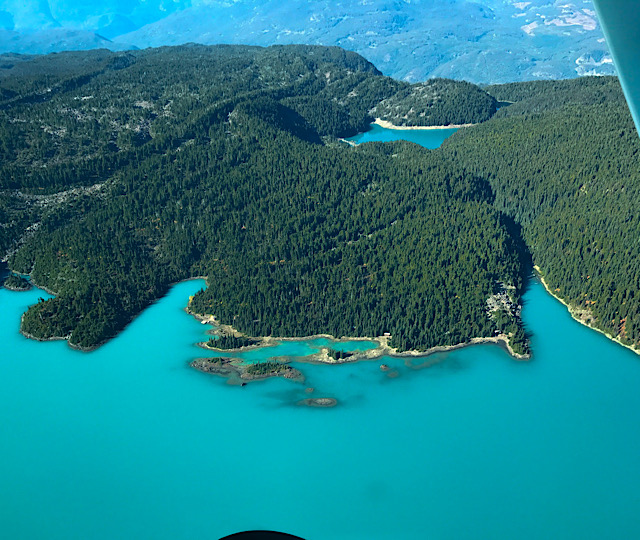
(388, 125)
(98, 345)
(350, 143)
(31, 336)
(264, 342)
(17, 289)
(322, 356)
(383, 348)
(575, 313)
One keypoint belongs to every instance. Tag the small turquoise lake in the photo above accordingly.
(130, 442)
(429, 138)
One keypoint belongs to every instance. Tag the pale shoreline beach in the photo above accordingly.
(383, 348)
(388, 125)
(576, 314)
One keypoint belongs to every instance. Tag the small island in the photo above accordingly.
(239, 373)
(339, 355)
(17, 283)
(319, 402)
(228, 342)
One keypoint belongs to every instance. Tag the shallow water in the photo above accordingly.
(297, 348)
(127, 441)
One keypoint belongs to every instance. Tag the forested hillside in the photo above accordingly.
(74, 118)
(563, 161)
(121, 173)
(437, 102)
(128, 172)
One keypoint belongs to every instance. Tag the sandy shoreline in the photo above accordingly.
(17, 289)
(575, 313)
(388, 125)
(322, 357)
(383, 348)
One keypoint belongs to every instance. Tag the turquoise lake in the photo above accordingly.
(429, 138)
(129, 442)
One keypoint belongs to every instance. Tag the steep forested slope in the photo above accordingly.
(563, 161)
(137, 170)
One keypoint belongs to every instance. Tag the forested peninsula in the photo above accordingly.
(122, 173)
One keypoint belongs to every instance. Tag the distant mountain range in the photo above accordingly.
(483, 41)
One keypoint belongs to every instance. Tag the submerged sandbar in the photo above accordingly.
(238, 372)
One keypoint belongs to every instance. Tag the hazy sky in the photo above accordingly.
(87, 14)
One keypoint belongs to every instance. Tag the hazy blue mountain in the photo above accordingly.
(44, 26)
(481, 41)
(54, 40)
(26, 15)
(88, 15)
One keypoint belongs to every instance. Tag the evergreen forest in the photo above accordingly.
(122, 173)
(563, 162)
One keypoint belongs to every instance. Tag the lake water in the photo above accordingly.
(429, 138)
(129, 442)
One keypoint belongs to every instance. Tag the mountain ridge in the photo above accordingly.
(486, 41)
